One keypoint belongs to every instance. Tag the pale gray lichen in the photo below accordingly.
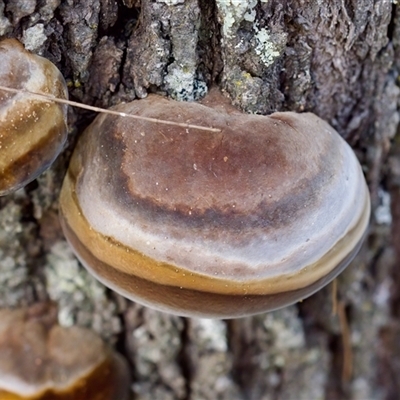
(383, 214)
(182, 81)
(305, 374)
(171, 2)
(47, 9)
(213, 364)
(286, 328)
(5, 24)
(304, 367)
(259, 47)
(269, 46)
(34, 37)
(211, 333)
(81, 298)
(182, 85)
(245, 90)
(232, 12)
(14, 274)
(157, 345)
(13, 277)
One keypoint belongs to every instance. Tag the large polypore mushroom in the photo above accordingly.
(43, 361)
(32, 130)
(249, 219)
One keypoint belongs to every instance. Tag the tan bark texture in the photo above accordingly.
(337, 58)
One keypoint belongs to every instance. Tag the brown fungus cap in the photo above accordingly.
(43, 361)
(252, 218)
(32, 131)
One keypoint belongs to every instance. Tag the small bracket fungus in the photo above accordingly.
(213, 224)
(32, 130)
(43, 361)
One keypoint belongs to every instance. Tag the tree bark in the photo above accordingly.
(338, 59)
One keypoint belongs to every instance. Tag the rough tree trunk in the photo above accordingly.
(339, 59)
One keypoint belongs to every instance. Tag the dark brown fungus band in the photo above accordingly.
(41, 360)
(250, 219)
(32, 130)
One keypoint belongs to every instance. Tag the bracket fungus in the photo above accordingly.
(32, 130)
(253, 218)
(43, 361)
